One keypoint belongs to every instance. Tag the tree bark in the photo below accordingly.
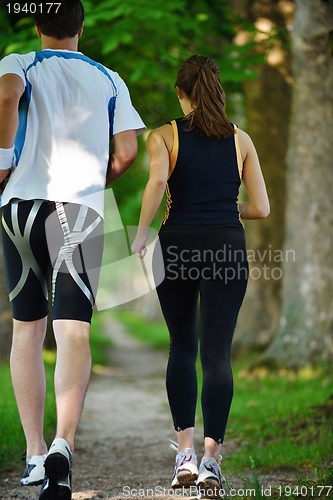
(267, 106)
(306, 326)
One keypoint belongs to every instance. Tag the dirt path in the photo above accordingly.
(122, 448)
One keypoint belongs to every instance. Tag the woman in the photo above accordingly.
(201, 160)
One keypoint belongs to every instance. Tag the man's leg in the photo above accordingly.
(28, 378)
(72, 304)
(72, 374)
(71, 380)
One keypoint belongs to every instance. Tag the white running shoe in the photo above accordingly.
(58, 472)
(186, 469)
(210, 479)
(34, 471)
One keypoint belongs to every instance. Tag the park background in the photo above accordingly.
(276, 65)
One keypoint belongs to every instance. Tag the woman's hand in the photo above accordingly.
(139, 244)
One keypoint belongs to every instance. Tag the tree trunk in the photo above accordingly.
(267, 106)
(5, 314)
(306, 326)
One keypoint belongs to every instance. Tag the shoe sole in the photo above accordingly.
(56, 470)
(210, 488)
(185, 479)
(33, 483)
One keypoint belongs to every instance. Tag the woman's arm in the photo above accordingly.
(153, 194)
(258, 205)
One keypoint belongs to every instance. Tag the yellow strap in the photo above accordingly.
(175, 147)
(168, 203)
(172, 163)
(238, 153)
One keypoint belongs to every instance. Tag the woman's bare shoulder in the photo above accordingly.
(163, 133)
(244, 136)
(246, 144)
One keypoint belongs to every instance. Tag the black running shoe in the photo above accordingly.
(58, 472)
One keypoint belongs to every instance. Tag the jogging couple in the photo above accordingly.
(59, 112)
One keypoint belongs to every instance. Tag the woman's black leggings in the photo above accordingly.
(208, 262)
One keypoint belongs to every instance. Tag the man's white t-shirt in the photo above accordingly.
(70, 109)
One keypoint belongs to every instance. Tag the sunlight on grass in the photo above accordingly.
(277, 417)
(152, 333)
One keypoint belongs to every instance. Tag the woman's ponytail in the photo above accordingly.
(199, 78)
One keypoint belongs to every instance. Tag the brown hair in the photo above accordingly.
(199, 78)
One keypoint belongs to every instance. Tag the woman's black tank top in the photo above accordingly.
(205, 176)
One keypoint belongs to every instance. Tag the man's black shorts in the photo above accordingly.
(52, 252)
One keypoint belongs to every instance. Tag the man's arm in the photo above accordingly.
(11, 90)
(124, 154)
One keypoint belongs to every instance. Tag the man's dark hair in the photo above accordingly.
(65, 23)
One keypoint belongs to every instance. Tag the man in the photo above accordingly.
(58, 112)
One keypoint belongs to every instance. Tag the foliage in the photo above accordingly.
(145, 41)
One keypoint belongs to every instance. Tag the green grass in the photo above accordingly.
(99, 342)
(12, 441)
(284, 419)
(150, 333)
(11, 436)
(281, 419)
(316, 484)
